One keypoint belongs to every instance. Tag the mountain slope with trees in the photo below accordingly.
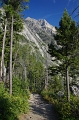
(37, 57)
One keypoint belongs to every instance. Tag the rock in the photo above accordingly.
(60, 94)
(75, 90)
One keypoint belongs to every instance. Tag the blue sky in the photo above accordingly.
(51, 10)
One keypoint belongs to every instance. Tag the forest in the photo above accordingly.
(23, 72)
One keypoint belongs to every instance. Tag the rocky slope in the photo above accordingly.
(39, 33)
(42, 28)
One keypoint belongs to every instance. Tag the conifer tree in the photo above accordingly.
(67, 47)
(12, 7)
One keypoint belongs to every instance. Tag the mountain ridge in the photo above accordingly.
(39, 33)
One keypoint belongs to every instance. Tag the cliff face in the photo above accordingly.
(39, 33)
(42, 28)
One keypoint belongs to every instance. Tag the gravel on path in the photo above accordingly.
(39, 110)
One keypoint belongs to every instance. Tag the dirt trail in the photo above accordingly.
(40, 110)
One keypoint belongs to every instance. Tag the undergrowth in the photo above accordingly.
(11, 106)
(65, 110)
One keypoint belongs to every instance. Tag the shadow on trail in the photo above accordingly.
(42, 108)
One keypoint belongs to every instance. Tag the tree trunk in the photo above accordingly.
(10, 72)
(46, 78)
(67, 83)
(3, 49)
(25, 73)
(46, 71)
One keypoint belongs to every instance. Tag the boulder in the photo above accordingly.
(75, 90)
(60, 94)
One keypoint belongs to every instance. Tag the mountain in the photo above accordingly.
(42, 28)
(39, 33)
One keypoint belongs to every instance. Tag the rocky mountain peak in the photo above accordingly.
(39, 34)
(40, 24)
(30, 19)
(43, 22)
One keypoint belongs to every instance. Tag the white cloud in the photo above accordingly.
(49, 15)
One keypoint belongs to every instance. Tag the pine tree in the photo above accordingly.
(67, 47)
(12, 8)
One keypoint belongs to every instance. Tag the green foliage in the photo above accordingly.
(20, 87)
(32, 62)
(49, 96)
(66, 51)
(5, 111)
(56, 83)
(66, 59)
(2, 90)
(36, 75)
(68, 44)
(66, 110)
(53, 89)
(12, 106)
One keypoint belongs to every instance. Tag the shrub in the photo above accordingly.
(66, 110)
(12, 106)
(20, 88)
(6, 112)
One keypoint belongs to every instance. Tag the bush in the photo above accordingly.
(6, 112)
(20, 88)
(66, 110)
(12, 106)
(49, 96)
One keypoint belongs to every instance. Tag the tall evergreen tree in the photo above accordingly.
(11, 9)
(67, 47)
